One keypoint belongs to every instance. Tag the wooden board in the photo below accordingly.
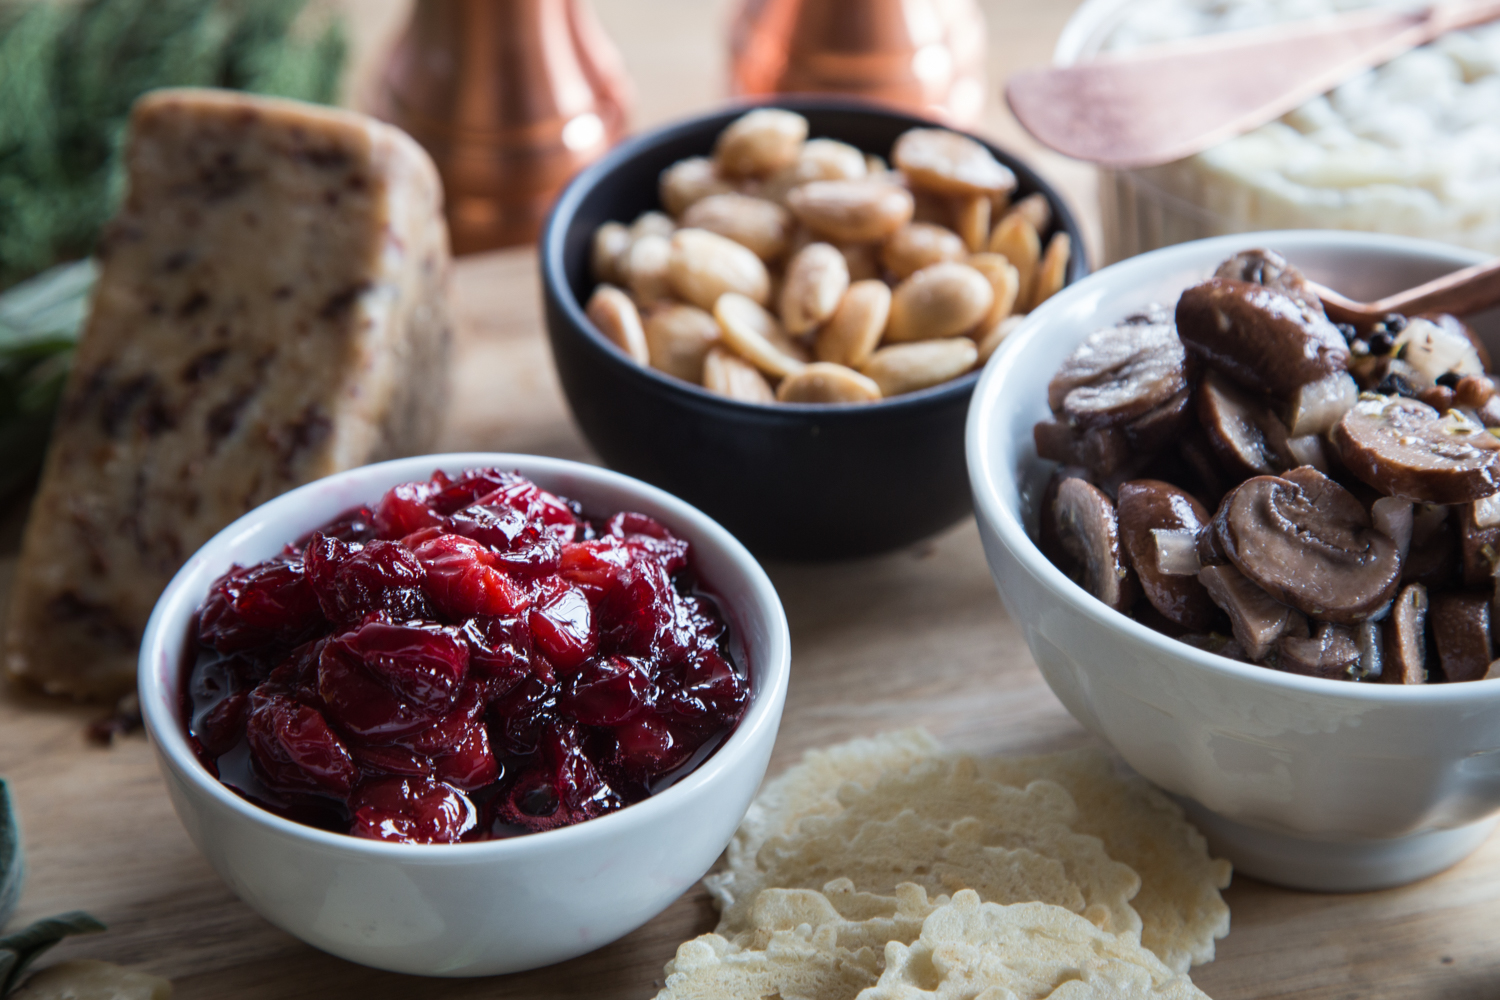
(914, 638)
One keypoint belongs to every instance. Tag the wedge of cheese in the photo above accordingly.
(270, 310)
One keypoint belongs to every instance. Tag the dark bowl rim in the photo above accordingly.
(559, 220)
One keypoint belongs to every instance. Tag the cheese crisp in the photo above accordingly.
(269, 311)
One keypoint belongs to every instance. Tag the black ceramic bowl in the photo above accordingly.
(795, 481)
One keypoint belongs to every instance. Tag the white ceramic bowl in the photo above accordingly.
(1307, 782)
(483, 908)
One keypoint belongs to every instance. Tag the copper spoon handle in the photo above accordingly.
(1460, 293)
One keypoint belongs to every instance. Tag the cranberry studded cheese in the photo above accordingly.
(269, 311)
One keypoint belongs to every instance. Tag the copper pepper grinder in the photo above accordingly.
(511, 98)
(926, 56)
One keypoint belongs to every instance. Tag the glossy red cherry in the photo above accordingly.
(352, 581)
(560, 787)
(295, 751)
(412, 811)
(607, 691)
(269, 604)
(462, 581)
(562, 625)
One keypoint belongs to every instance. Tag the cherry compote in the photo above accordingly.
(470, 659)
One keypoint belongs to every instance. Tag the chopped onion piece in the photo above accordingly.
(1308, 450)
(1393, 519)
(1319, 405)
(1176, 551)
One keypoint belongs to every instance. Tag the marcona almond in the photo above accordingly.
(617, 318)
(705, 265)
(1016, 240)
(756, 336)
(949, 163)
(1035, 209)
(759, 143)
(652, 224)
(829, 160)
(941, 300)
(850, 336)
(688, 181)
(972, 218)
(816, 280)
(729, 375)
(1004, 279)
(647, 268)
(920, 244)
(763, 226)
(611, 243)
(822, 382)
(1053, 271)
(677, 338)
(996, 336)
(851, 211)
(908, 367)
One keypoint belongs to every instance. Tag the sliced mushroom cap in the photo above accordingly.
(1479, 540)
(1405, 634)
(1257, 618)
(1157, 428)
(1047, 537)
(1258, 336)
(1433, 559)
(1308, 542)
(1105, 452)
(1405, 448)
(1120, 373)
(1159, 525)
(1461, 628)
(1269, 268)
(1332, 653)
(1089, 533)
(1246, 434)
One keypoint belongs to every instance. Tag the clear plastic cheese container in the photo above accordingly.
(1412, 149)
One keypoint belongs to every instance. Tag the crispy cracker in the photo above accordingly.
(1181, 910)
(859, 919)
(944, 827)
(802, 963)
(1027, 951)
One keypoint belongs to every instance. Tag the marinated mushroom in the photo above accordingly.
(1120, 373)
(1405, 448)
(1405, 634)
(1089, 534)
(1245, 432)
(1259, 336)
(1461, 631)
(1159, 526)
(1333, 653)
(1257, 619)
(1309, 543)
(1271, 269)
(1479, 540)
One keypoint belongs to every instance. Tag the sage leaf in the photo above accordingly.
(12, 866)
(20, 949)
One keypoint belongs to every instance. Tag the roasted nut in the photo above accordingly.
(1035, 209)
(688, 181)
(1052, 272)
(617, 318)
(822, 382)
(730, 375)
(1308, 542)
(917, 245)
(1405, 448)
(1004, 280)
(949, 163)
(1258, 336)
(992, 340)
(1120, 373)
(1016, 241)
(648, 268)
(972, 218)
(816, 280)
(705, 265)
(1086, 528)
(759, 143)
(1246, 434)
(756, 336)
(822, 160)
(850, 335)
(909, 367)
(678, 337)
(652, 224)
(611, 244)
(851, 211)
(941, 300)
(1159, 526)
(1257, 619)
(1405, 634)
(763, 226)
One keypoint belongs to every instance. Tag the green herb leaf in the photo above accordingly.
(12, 866)
(19, 950)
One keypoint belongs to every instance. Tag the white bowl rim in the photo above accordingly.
(162, 722)
(981, 428)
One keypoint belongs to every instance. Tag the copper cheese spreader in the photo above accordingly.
(1163, 103)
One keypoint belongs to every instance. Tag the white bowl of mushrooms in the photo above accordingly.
(1279, 531)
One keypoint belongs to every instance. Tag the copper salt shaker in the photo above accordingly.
(511, 98)
(926, 56)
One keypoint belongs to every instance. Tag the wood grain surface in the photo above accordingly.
(913, 638)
